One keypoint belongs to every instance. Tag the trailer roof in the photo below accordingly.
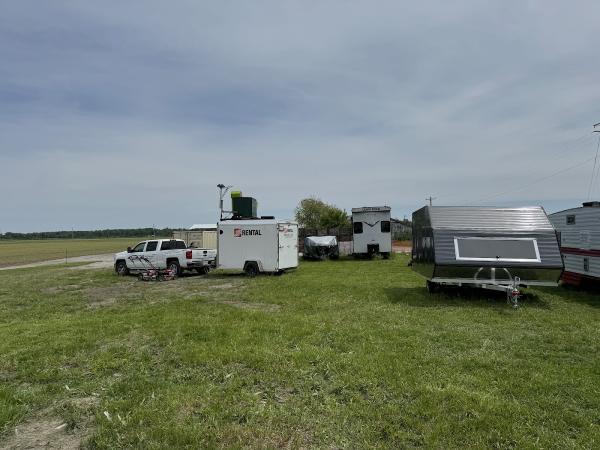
(244, 222)
(587, 206)
(371, 209)
(203, 226)
(531, 218)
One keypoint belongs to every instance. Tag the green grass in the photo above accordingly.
(337, 354)
(14, 252)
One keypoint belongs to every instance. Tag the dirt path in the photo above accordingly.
(94, 262)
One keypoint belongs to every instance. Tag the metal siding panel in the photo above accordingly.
(209, 239)
(445, 252)
(574, 263)
(587, 220)
(489, 218)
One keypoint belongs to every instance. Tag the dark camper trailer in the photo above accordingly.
(494, 248)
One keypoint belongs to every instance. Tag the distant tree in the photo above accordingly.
(314, 213)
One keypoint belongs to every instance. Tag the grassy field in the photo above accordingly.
(24, 252)
(346, 354)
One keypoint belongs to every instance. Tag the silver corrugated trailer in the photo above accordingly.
(579, 234)
(488, 247)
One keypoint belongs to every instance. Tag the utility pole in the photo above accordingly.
(430, 199)
(595, 163)
(222, 191)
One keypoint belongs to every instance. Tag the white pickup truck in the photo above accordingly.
(170, 254)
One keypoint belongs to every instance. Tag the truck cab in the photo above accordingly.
(173, 254)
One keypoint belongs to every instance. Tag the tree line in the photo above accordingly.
(90, 234)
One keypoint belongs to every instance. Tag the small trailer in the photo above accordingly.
(371, 231)
(321, 247)
(257, 245)
(493, 248)
(579, 236)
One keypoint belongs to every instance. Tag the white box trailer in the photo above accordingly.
(260, 245)
(371, 231)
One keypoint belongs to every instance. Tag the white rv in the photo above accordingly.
(257, 245)
(579, 236)
(371, 231)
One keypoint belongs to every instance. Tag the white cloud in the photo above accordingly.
(124, 115)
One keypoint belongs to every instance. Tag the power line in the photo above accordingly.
(575, 166)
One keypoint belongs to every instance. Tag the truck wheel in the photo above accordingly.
(174, 266)
(121, 268)
(251, 269)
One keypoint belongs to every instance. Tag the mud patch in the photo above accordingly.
(61, 289)
(97, 297)
(47, 431)
(44, 433)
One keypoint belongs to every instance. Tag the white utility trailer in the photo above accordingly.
(371, 231)
(257, 245)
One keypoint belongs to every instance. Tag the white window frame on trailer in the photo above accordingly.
(464, 258)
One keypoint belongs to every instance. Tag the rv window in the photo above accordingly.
(497, 249)
(357, 227)
(151, 246)
(571, 220)
(586, 264)
(385, 226)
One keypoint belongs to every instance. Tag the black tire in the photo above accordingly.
(251, 269)
(203, 270)
(385, 255)
(432, 287)
(174, 266)
(121, 268)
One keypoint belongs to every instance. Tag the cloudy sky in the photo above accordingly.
(125, 114)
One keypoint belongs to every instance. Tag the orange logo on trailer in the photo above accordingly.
(238, 232)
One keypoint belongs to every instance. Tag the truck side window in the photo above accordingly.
(151, 246)
(385, 226)
(138, 248)
(358, 227)
(166, 245)
(179, 245)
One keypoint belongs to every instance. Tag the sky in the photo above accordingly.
(126, 114)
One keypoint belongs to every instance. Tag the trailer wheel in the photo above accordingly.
(386, 255)
(173, 265)
(121, 268)
(251, 269)
(203, 270)
(432, 287)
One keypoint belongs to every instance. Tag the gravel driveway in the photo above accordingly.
(94, 262)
